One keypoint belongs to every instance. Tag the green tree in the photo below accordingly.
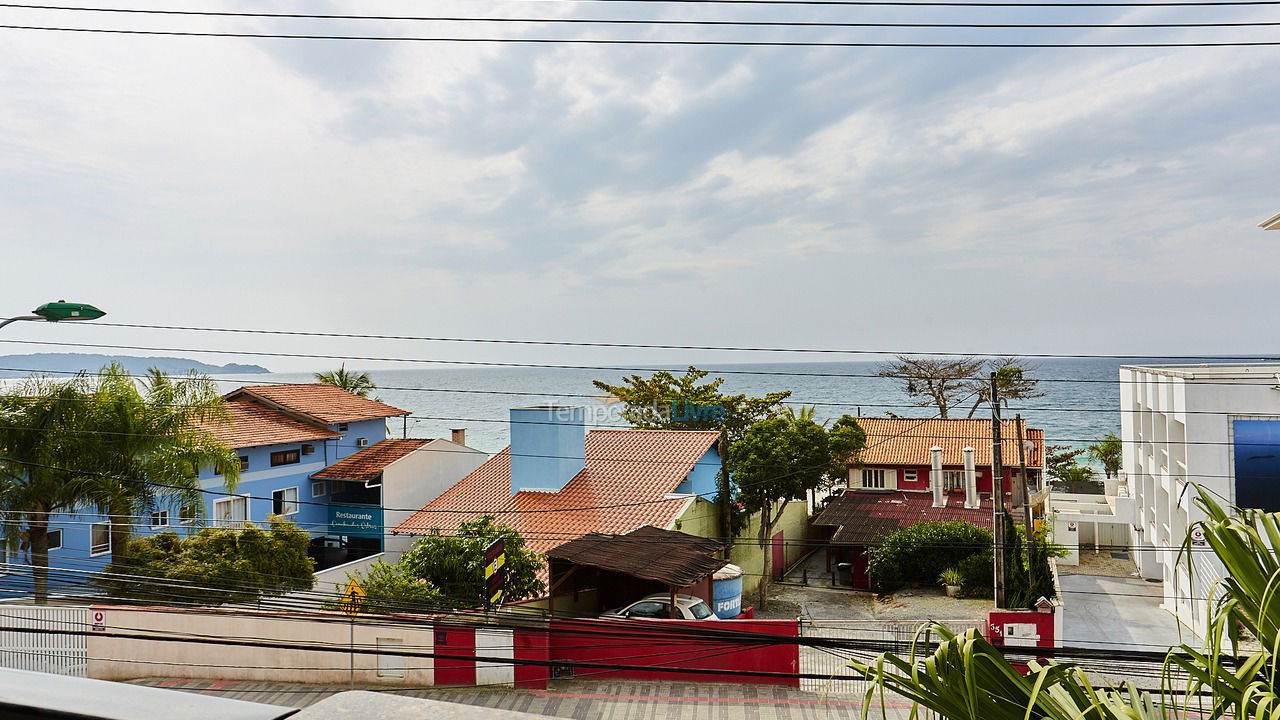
(780, 459)
(214, 566)
(1013, 382)
(358, 383)
(145, 448)
(452, 569)
(935, 381)
(1060, 463)
(39, 419)
(666, 402)
(1109, 451)
(391, 588)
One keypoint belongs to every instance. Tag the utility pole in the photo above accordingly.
(1026, 497)
(726, 516)
(997, 492)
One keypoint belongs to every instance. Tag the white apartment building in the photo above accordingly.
(1217, 425)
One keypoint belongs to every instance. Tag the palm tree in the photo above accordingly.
(38, 420)
(149, 446)
(966, 678)
(1108, 451)
(358, 383)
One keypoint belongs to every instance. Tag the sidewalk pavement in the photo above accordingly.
(588, 700)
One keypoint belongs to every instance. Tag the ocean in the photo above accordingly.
(1080, 404)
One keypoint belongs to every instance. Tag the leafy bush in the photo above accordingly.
(919, 553)
(391, 589)
(977, 574)
(447, 571)
(213, 566)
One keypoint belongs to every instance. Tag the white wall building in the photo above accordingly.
(1215, 425)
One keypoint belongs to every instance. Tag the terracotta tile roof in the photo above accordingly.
(675, 558)
(906, 441)
(367, 464)
(253, 425)
(324, 403)
(862, 517)
(621, 488)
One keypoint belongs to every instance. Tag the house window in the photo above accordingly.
(285, 502)
(909, 475)
(160, 518)
(99, 539)
(952, 480)
(873, 478)
(285, 457)
(55, 539)
(342, 427)
(244, 463)
(188, 514)
(319, 489)
(231, 511)
(308, 449)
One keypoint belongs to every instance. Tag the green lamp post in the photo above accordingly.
(60, 311)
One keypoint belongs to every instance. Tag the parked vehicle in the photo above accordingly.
(659, 606)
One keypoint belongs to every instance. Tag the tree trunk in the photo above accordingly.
(766, 547)
(121, 531)
(38, 536)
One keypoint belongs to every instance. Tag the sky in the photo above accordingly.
(966, 200)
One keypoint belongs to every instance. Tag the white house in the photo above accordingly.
(1217, 425)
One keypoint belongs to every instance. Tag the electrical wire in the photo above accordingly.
(637, 42)
(549, 366)
(602, 21)
(1275, 357)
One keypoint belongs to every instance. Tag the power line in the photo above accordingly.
(609, 368)
(958, 3)
(647, 42)
(623, 21)
(665, 346)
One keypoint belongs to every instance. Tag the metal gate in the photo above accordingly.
(63, 654)
(833, 662)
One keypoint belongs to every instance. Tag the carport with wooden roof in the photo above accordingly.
(598, 571)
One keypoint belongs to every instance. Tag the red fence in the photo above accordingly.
(744, 646)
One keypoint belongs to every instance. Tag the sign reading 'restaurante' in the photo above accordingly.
(356, 520)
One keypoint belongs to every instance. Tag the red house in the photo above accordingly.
(915, 470)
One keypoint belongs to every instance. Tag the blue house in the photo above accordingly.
(283, 435)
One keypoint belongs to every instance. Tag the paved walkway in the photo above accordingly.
(588, 700)
(1118, 613)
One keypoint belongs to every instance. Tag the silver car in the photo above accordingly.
(658, 605)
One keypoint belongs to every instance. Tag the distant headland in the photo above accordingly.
(22, 365)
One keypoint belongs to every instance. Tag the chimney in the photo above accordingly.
(935, 476)
(459, 435)
(970, 480)
(547, 447)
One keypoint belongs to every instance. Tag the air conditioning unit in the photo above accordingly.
(362, 442)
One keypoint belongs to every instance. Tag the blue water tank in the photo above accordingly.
(726, 592)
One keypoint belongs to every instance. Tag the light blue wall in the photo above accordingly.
(260, 481)
(548, 446)
(702, 478)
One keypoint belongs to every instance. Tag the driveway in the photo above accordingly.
(1118, 613)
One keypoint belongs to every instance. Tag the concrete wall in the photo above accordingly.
(116, 658)
(1176, 424)
(418, 478)
(702, 518)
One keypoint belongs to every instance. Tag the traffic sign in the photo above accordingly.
(495, 571)
(353, 598)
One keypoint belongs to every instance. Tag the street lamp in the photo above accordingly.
(61, 311)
